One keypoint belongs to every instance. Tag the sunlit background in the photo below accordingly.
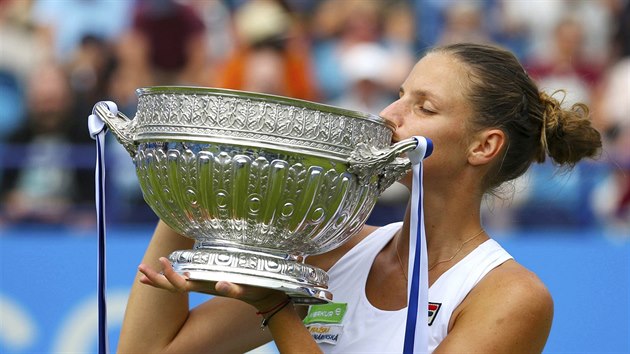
(59, 57)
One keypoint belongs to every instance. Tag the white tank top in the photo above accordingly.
(364, 328)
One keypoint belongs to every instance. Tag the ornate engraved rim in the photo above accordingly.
(193, 90)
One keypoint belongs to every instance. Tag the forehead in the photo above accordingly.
(441, 75)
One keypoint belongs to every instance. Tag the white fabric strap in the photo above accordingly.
(98, 129)
(417, 327)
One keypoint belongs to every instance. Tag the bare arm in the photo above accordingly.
(509, 311)
(153, 317)
(157, 320)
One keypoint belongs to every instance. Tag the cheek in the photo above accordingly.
(448, 157)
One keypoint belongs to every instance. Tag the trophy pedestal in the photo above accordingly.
(304, 283)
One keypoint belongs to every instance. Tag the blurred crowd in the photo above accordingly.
(59, 57)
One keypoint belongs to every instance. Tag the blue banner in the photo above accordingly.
(48, 293)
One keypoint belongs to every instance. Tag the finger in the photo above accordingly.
(228, 289)
(155, 279)
(178, 282)
(144, 280)
(147, 272)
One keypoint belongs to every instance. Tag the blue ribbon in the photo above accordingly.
(98, 129)
(100, 219)
(417, 328)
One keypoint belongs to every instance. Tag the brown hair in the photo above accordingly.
(503, 96)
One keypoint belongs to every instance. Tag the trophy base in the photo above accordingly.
(304, 283)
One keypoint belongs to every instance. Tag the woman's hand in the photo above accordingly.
(168, 279)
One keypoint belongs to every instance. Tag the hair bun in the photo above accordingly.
(567, 135)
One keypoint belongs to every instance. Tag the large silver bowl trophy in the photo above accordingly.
(258, 181)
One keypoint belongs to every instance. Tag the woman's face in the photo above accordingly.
(433, 104)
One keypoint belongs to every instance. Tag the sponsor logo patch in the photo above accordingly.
(434, 308)
(325, 322)
(325, 333)
(326, 313)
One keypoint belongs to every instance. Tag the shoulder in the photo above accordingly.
(326, 260)
(510, 310)
(517, 287)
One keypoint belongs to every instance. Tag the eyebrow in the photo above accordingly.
(424, 94)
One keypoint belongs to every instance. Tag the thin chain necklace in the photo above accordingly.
(438, 262)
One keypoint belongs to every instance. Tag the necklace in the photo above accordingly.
(458, 250)
(436, 263)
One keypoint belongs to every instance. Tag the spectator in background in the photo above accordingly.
(464, 23)
(129, 73)
(398, 38)
(399, 28)
(20, 53)
(537, 20)
(62, 24)
(621, 29)
(507, 28)
(269, 56)
(89, 70)
(45, 185)
(611, 198)
(567, 65)
(338, 25)
(90, 30)
(362, 67)
(219, 35)
(166, 42)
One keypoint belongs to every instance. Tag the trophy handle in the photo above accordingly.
(121, 126)
(390, 167)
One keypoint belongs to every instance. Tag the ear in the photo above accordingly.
(486, 146)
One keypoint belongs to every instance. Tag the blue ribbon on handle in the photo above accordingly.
(417, 325)
(98, 129)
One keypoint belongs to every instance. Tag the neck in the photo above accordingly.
(450, 221)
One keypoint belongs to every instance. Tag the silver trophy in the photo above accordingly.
(258, 181)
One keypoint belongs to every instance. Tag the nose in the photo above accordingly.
(392, 113)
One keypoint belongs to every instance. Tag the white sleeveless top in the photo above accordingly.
(367, 329)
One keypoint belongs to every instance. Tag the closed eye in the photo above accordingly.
(426, 111)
